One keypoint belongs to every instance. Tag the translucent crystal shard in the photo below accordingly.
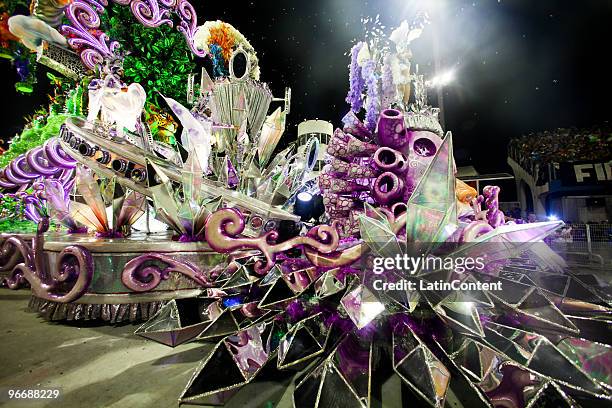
(182, 320)
(168, 327)
(196, 136)
(107, 190)
(218, 372)
(538, 307)
(124, 210)
(475, 359)
(243, 276)
(432, 209)
(288, 286)
(361, 306)
(248, 350)
(58, 203)
(304, 341)
(551, 395)
(353, 359)
(462, 315)
(509, 241)
(93, 212)
(129, 208)
(590, 356)
(184, 211)
(418, 367)
(323, 387)
(234, 362)
(273, 129)
(377, 234)
(277, 295)
(549, 361)
(328, 284)
(231, 174)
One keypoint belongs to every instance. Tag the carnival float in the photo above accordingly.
(177, 210)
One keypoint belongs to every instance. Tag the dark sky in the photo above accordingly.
(521, 65)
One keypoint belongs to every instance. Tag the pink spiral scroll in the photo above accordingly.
(223, 229)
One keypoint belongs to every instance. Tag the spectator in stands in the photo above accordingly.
(537, 150)
(566, 234)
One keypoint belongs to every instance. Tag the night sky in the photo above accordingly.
(521, 65)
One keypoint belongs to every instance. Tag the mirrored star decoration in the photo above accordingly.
(324, 320)
(539, 341)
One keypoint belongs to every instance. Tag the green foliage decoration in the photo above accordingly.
(35, 134)
(17, 226)
(157, 58)
(11, 207)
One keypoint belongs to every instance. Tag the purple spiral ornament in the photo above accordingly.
(39, 163)
(20, 251)
(33, 207)
(149, 14)
(223, 229)
(66, 282)
(83, 16)
(140, 277)
(188, 25)
(57, 156)
(350, 255)
(11, 255)
(19, 171)
(47, 161)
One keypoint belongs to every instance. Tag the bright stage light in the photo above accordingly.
(304, 196)
(553, 217)
(442, 79)
(303, 206)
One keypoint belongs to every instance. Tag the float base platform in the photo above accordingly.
(128, 279)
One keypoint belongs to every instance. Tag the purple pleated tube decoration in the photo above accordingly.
(392, 131)
(388, 187)
(387, 159)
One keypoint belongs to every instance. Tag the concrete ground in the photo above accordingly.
(97, 365)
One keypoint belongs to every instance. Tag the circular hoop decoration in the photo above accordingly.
(311, 153)
(239, 64)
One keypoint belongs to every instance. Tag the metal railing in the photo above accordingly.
(509, 206)
(587, 240)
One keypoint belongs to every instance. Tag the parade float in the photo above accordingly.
(179, 211)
